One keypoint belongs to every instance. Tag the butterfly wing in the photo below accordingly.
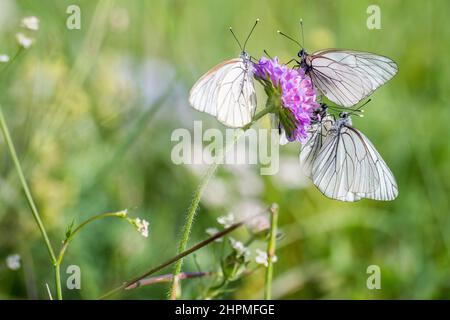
(318, 132)
(388, 189)
(347, 76)
(349, 168)
(227, 92)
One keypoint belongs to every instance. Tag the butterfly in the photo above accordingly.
(227, 91)
(343, 163)
(345, 77)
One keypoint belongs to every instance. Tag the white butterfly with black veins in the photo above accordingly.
(227, 91)
(345, 77)
(344, 165)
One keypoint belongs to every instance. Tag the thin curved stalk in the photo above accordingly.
(81, 226)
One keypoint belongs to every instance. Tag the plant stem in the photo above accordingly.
(58, 281)
(82, 225)
(271, 251)
(30, 200)
(192, 210)
(188, 226)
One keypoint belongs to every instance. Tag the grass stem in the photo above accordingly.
(271, 251)
(30, 201)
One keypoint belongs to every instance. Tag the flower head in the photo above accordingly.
(270, 70)
(24, 41)
(142, 226)
(31, 23)
(227, 221)
(13, 261)
(4, 58)
(292, 94)
(262, 258)
(239, 248)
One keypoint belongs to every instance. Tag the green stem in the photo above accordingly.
(271, 251)
(58, 281)
(30, 200)
(81, 226)
(188, 226)
(192, 210)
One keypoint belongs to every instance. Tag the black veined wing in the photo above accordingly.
(227, 92)
(318, 131)
(347, 76)
(388, 189)
(348, 167)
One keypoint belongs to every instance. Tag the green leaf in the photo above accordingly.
(69, 229)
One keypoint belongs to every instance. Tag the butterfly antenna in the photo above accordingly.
(303, 35)
(251, 31)
(359, 110)
(290, 38)
(267, 54)
(337, 108)
(235, 38)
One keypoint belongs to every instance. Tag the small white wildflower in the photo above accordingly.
(227, 221)
(239, 248)
(4, 58)
(213, 231)
(24, 41)
(142, 226)
(31, 23)
(262, 258)
(13, 261)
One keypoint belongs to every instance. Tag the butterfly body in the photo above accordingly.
(343, 120)
(305, 60)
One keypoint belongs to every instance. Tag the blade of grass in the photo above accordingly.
(30, 201)
(271, 251)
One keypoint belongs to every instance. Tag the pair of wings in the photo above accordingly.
(344, 165)
(227, 92)
(346, 76)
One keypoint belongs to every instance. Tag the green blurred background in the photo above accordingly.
(93, 133)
